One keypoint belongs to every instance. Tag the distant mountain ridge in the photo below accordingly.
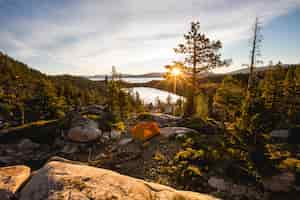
(147, 75)
(245, 70)
(257, 69)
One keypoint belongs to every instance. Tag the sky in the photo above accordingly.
(88, 37)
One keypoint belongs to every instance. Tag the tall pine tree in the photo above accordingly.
(289, 92)
(201, 54)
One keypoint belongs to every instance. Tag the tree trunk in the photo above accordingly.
(194, 77)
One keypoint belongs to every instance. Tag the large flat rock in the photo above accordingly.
(60, 180)
(11, 179)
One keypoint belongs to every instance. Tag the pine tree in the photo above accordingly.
(139, 107)
(202, 54)
(113, 95)
(269, 93)
(201, 102)
(249, 101)
(289, 92)
(124, 104)
(158, 103)
(297, 92)
(255, 52)
(228, 98)
(169, 99)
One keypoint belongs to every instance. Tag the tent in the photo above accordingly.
(145, 130)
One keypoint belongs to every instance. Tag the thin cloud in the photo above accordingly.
(93, 35)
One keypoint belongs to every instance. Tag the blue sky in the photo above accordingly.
(86, 37)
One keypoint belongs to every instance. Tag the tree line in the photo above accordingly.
(28, 95)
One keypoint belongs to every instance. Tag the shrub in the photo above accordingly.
(193, 171)
(119, 126)
(292, 164)
(159, 156)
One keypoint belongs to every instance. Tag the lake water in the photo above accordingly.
(149, 95)
(133, 79)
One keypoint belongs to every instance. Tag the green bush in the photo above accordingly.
(119, 126)
(291, 164)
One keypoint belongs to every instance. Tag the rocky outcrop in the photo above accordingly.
(112, 134)
(11, 179)
(280, 183)
(160, 118)
(27, 144)
(125, 141)
(280, 134)
(25, 151)
(92, 109)
(175, 131)
(84, 131)
(234, 190)
(60, 180)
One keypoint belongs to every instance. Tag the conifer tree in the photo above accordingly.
(113, 95)
(269, 90)
(289, 92)
(228, 98)
(247, 109)
(169, 99)
(139, 107)
(255, 52)
(201, 54)
(297, 92)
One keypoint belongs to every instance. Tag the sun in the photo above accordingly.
(175, 72)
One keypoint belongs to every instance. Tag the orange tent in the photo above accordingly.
(145, 130)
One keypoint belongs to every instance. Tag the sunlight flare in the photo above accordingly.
(175, 72)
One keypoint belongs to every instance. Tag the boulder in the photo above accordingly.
(70, 148)
(59, 180)
(93, 109)
(160, 118)
(115, 134)
(24, 152)
(218, 183)
(175, 131)
(60, 159)
(125, 141)
(279, 183)
(232, 189)
(280, 133)
(86, 131)
(112, 134)
(11, 179)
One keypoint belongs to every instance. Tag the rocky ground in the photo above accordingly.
(65, 180)
(79, 141)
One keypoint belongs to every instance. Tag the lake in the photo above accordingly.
(149, 95)
(134, 79)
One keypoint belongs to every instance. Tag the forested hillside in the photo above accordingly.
(276, 97)
(28, 95)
